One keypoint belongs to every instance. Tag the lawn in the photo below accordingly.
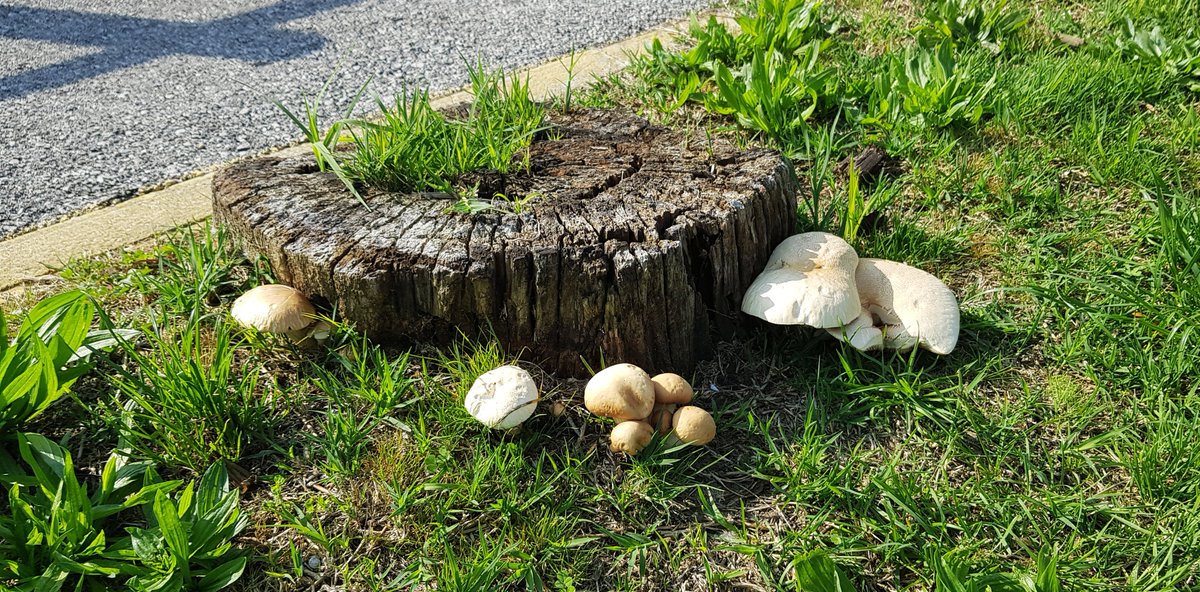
(1042, 162)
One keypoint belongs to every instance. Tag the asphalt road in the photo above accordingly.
(99, 98)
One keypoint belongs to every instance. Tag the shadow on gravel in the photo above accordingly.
(125, 41)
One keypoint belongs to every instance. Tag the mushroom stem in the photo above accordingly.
(860, 333)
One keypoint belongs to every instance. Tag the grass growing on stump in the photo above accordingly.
(413, 147)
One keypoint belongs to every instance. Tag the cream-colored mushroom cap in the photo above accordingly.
(621, 391)
(693, 425)
(630, 437)
(273, 308)
(502, 398)
(671, 388)
(809, 280)
(861, 333)
(909, 306)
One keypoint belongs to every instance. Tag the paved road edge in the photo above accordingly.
(28, 256)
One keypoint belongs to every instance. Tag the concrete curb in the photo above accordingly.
(27, 256)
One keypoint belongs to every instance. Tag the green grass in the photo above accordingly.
(189, 399)
(1053, 188)
(413, 147)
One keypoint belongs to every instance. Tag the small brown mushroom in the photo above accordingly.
(630, 437)
(661, 417)
(622, 392)
(671, 388)
(694, 426)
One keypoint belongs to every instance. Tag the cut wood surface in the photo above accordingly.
(635, 245)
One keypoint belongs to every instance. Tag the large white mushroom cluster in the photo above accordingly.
(817, 279)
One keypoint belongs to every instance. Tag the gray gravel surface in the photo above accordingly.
(100, 98)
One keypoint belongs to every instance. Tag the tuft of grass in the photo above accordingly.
(413, 147)
(768, 76)
(196, 268)
(189, 399)
(45, 356)
(1178, 57)
(365, 391)
(55, 532)
(323, 141)
(1150, 302)
(774, 94)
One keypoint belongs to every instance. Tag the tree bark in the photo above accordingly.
(635, 246)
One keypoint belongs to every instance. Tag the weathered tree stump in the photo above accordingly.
(636, 245)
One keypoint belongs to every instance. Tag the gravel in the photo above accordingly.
(101, 98)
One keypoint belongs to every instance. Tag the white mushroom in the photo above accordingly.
(907, 306)
(809, 280)
(502, 398)
(275, 308)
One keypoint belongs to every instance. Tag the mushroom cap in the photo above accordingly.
(502, 398)
(630, 437)
(861, 333)
(694, 425)
(662, 416)
(671, 388)
(621, 391)
(273, 308)
(911, 305)
(809, 280)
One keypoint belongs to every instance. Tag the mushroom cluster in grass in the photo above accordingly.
(817, 279)
(280, 310)
(502, 398)
(642, 406)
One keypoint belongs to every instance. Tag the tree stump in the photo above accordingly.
(635, 245)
